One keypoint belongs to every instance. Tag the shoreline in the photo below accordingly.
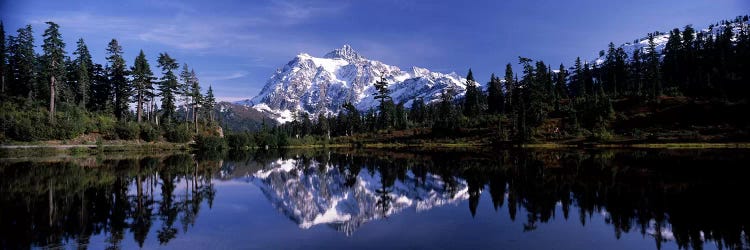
(165, 146)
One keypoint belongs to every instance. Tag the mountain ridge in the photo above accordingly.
(321, 85)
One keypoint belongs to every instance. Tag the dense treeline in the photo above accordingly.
(542, 102)
(60, 96)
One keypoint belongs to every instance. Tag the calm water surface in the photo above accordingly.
(374, 199)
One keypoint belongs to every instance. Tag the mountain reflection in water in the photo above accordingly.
(684, 198)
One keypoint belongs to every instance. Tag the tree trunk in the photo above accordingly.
(140, 106)
(195, 119)
(52, 99)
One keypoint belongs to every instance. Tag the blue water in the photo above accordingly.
(281, 202)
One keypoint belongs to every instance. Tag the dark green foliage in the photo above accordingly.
(101, 91)
(149, 133)
(142, 83)
(55, 97)
(240, 141)
(54, 65)
(22, 64)
(168, 87)
(3, 60)
(209, 103)
(210, 143)
(117, 75)
(178, 133)
(472, 105)
(495, 98)
(32, 125)
(83, 68)
(127, 130)
(447, 121)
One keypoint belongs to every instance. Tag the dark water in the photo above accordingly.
(525, 199)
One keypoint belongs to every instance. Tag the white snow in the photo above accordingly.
(323, 84)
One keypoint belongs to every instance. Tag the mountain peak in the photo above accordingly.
(345, 52)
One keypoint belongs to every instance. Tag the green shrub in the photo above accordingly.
(71, 121)
(210, 143)
(105, 125)
(178, 133)
(149, 133)
(239, 140)
(127, 130)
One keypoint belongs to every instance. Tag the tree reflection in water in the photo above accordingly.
(55, 203)
(686, 196)
(689, 197)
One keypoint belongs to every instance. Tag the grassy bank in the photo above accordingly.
(30, 149)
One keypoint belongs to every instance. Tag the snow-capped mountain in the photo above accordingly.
(310, 195)
(661, 38)
(323, 84)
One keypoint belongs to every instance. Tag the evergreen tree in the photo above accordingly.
(471, 99)
(495, 99)
(446, 120)
(610, 79)
(636, 70)
(196, 96)
(54, 57)
(101, 91)
(509, 86)
(3, 60)
(21, 62)
(209, 103)
(672, 60)
(352, 119)
(588, 80)
(184, 89)
(400, 118)
(688, 58)
(383, 94)
(83, 73)
(653, 72)
(143, 79)
(561, 88)
(577, 86)
(418, 111)
(117, 75)
(168, 86)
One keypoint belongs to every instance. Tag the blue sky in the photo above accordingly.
(236, 45)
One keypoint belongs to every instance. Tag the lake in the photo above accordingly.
(380, 199)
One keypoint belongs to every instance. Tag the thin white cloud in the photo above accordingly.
(210, 77)
(294, 12)
(232, 98)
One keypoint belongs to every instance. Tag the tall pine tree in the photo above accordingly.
(495, 99)
(209, 103)
(471, 99)
(83, 73)
(509, 86)
(142, 82)
(3, 60)
(118, 79)
(184, 89)
(54, 57)
(22, 63)
(168, 86)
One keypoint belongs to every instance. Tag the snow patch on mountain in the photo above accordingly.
(321, 85)
(661, 38)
